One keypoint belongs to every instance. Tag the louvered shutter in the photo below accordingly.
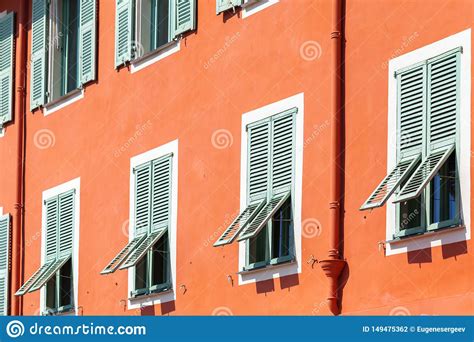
(443, 102)
(39, 28)
(123, 31)
(161, 193)
(183, 16)
(411, 111)
(258, 159)
(142, 198)
(224, 5)
(43, 278)
(261, 219)
(115, 263)
(143, 248)
(66, 224)
(283, 137)
(87, 40)
(6, 67)
(52, 215)
(34, 278)
(4, 262)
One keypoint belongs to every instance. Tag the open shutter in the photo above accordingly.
(34, 278)
(6, 67)
(443, 102)
(87, 40)
(240, 222)
(184, 16)
(224, 5)
(66, 223)
(143, 248)
(411, 111)
(391, 182)
(123, 255)
(38, 53)
(123, 31)
(142, 198)
(161, 193)
(4, 262)
(261, 219)
(283, 137)
(43, 278)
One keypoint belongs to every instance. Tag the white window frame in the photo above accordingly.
(285, 269)
(447, 236)
(167, 296)
(251, 7)
(75, 185)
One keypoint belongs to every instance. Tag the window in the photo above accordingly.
(266, 224)
(6, 68)
(149, 249)
(425, 180)
(4, 262)
(63, 48)
(56, 272)
(143, 26)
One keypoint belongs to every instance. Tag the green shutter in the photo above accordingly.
(144, 247)
(51, 209)
(443, 95)
(183, 16)
(142, 198)
(123, 31)
(39, 28)
(161, 193)
(261, 219)
(283, 137)
(34, 278)
(4, 262)
(424, 173)
(224, 5)
(87, 40)
(239, 223)
(258, 159)
(123, 255)
(42, 279)
(6, 67)
(66, 223)
(391, 182)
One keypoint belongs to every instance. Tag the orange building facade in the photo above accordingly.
(140, 134)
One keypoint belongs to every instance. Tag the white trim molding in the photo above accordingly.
(461, 39)
(253, 116)
(64, 101)
(158, 298)
(75, 185)
(155, 56)
(250, 7)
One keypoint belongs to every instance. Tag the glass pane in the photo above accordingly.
(141, 271)
(51, 294)
(72, 35)
(258, 247)
(66, 289)
(281, 224)
(410, 212)
(160, 256)
(443, 192)
(154, 30)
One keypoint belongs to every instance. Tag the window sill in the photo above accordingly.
(152, 294)
(272, 265)
(63, 101)
(154, 56)
(429, 232)
(67, 310)
(251, 7)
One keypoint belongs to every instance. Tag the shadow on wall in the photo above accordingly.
(286, 282)
(166, 308)
(451, 250)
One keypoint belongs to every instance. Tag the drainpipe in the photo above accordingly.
(20, 114)
(334, 264)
